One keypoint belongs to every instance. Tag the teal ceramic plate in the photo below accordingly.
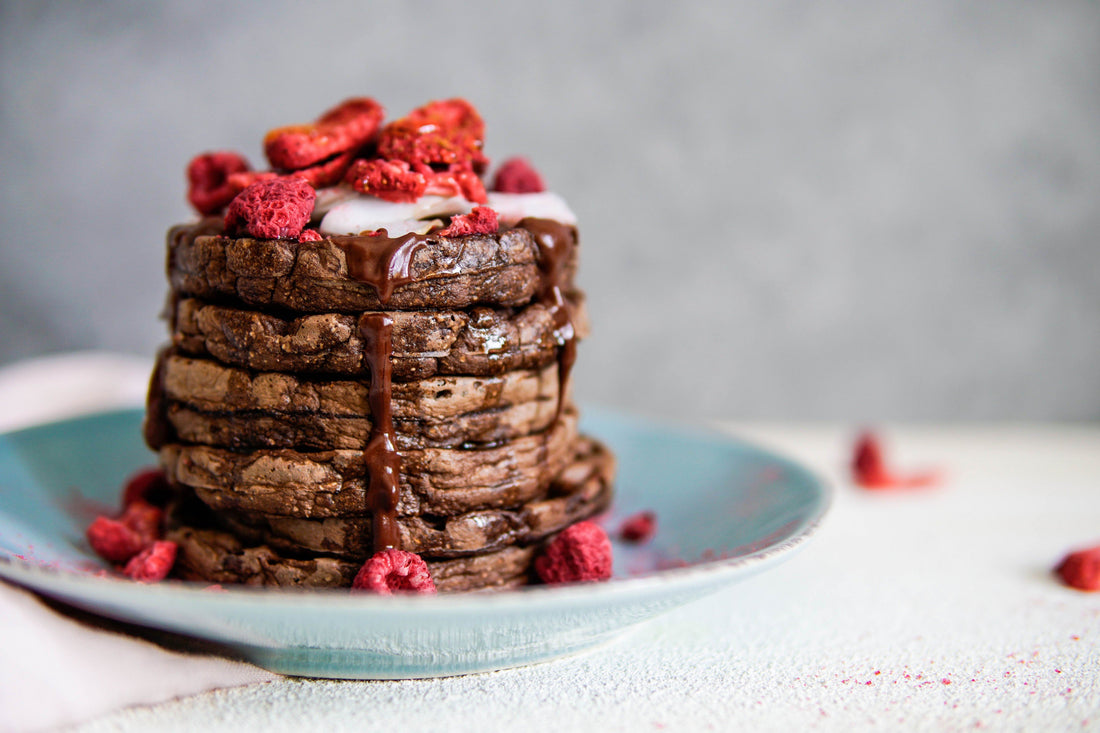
(725, 510)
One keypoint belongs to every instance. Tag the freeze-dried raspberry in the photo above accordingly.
(639, 527)
(439, 133)
(1081, 569)
(150, 485)
(870, 471)
(153, 563)
(208, 177)
(342, 129)
(390, 180)
(117, 540)
(391, 571)
(145, 519)
(517, 175)
(579, 554)
(112, 540)
(310, 235)
(482, 220)
(274, 209)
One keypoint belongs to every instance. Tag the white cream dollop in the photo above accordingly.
(368, 214)
(511, 207)
(347, 212)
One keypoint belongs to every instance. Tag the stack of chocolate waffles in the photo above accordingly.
(324, 399)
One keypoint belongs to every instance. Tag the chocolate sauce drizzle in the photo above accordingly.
(385, 263)
(380, 454)
(381, 261)
(555, 242)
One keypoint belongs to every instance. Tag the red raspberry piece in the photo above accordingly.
(390, 180)
(208, 175)
(342, 129)
(1081, 569)
(150, 485)
(273, 209)
(639, 527)
(153, 563)
(144, 519)
(516, 175)
(391, 571)
(439, 133)
(482, 220)
(580, 554)
(112, 540)
(870, 471)
(310, 235)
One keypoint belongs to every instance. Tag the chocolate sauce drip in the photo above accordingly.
(380, 455)
(381, 261)
(556, 242)
(384, 263)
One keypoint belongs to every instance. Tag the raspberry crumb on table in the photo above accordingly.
(869, 468)
(639, 528)
(1081, 569)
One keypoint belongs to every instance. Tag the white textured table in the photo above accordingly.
(911, 610)
(931, 610)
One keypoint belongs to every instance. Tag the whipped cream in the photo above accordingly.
(511, 207)
(362, 213)
(347, 212)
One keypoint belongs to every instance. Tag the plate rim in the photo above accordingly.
(51, 581)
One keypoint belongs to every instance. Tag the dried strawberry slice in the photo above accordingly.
(390, 180)
(581, 553)
(342, 129)
(455, 181)
(240, 181)
(440, 133)
(328, 173)
(394, 571)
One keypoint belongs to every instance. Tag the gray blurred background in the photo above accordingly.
(834, 210)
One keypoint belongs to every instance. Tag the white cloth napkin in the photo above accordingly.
(55, 670)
